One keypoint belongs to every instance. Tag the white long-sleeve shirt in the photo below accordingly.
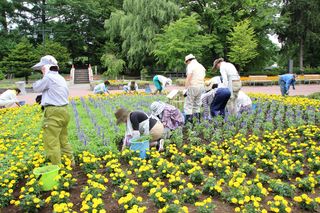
(228, 73)
(8, 98)
(54, 89)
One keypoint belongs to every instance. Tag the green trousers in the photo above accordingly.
(55, 133)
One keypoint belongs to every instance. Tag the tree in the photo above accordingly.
(179, 39)
(6, 9)
(114, 65)
(81, 26)
(220, 16)
(58, 51)
(243, 43)
(302, 29)
(20, 59)
(136, 25)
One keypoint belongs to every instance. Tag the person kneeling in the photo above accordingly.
(138, 123)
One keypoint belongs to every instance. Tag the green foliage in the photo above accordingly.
(1, 75)
(243, 43)
(58, 51)
(315, 95)
(282, 188)
(20, 59)
(137, 24)
(179, 39)
(144, 73)
(114, 64)
(300, 31)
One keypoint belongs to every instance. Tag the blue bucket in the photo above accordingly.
(254, 106)
(22, 103)
(137, 145)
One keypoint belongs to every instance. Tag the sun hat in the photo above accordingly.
(157, 107)
(45, 60)
(121, 114)
(209, 83)
(216, 62)
(188, 57)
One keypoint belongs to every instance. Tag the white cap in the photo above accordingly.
(188, 57)
(45, 60)
(157, 107)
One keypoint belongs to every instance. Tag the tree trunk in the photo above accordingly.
(301, 56)
(43, 13)
(26, 77)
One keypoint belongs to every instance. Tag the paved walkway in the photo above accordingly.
(79, 90)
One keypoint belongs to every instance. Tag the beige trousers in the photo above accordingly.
(192, 102)
(231, 106)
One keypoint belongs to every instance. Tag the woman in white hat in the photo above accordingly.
(170, 116)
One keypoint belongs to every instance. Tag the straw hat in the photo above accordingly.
(216, 62)
(157, 107)
(121, 115)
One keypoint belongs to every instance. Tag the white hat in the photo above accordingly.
(157, 107)
(211, 82)
(169, 81)
(45, 60)
(188, 57)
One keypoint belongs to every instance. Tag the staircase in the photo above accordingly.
(81, 76)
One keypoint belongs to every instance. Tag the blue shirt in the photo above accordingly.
(288, 79)
(54, 89)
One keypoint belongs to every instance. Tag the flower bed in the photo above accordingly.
(264, 161)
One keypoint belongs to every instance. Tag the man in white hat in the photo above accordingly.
(194, 86)
(54, 99)
(231, 80)
(160, 82)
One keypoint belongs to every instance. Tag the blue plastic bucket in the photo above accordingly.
(22, 103)
(254, 106)
(137, 145)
